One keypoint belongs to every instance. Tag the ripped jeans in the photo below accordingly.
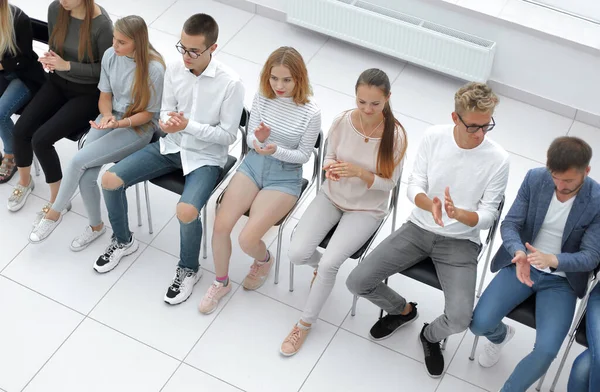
(149, 163)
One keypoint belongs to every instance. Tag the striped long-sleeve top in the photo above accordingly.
(294, 128)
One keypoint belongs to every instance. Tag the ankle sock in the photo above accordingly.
(302, 326)
(223, 279)
(267, 257)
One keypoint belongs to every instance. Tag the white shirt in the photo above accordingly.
(213, 103)
(477, 179)
(549, 239)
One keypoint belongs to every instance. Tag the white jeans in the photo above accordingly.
(354, 229)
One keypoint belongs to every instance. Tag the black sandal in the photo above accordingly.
(8, 168)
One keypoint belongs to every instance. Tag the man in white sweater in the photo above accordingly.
(458, 180)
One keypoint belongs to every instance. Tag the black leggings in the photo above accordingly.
(59, 109)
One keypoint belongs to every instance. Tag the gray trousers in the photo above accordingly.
(101, 146)
(455, 263)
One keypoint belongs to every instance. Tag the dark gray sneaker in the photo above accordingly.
(387, 325)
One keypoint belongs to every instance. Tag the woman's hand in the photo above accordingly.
(269, 149)
(328, 173)
(262, 132)
(106, 122)
(53, 62)
(345, 169)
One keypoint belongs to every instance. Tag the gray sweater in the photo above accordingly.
(86, 72)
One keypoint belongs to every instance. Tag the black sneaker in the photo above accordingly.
(434, 360)
(114, 253)
(390, 323)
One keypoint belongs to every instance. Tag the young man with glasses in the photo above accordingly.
(201, 108)
(458, 180)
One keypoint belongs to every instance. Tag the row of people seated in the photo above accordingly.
(550, 235)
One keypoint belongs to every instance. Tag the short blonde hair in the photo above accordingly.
(475, 97)
(292, 60)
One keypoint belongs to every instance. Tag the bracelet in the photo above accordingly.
(129, 118)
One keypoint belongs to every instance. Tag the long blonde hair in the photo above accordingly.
(59, 32)
(8, 39)
(134, 28)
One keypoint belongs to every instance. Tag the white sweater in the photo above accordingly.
(294, 128)
(477, 179)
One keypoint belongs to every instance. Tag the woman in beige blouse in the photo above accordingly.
(365, 152)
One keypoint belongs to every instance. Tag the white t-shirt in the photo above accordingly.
(549, 239)
(477, 179)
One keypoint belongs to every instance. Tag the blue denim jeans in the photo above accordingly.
(149, 163)
(585, 374)
(14, 94)
(555, 306)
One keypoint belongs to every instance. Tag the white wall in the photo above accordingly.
(557, 71)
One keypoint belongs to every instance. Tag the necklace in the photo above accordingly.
(362, 128)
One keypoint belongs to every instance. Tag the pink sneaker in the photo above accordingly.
(293, 342)
(258, 274)
(211, 299)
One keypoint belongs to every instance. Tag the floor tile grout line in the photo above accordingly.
(211, 375)
(53, 354)
(451, 360)
(43, 295)
(162, 13)
(318, 50)
(224, 51)
(319, 359)
(117, 281)
(237, 32)
(400, 73)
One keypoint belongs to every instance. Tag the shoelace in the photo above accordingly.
(212, 291)
(180, 275)
(294, 337)
(254, 269)
(491, 349)
(43, 226)
(432, 348)
(86, 236)
(110, 250)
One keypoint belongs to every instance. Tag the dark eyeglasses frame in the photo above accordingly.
(474, 128)
(192, 55)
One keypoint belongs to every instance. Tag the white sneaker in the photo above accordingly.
(491, 352)
(82, 241)
(19, 196)
(43, 230)
(210, 301)
(42, 213)
(182, 286)
(114, 253)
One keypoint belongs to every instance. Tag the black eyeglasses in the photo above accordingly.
(190, 53)
(474, 128)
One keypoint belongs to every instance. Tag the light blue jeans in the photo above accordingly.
(101, 146)
(585, 374)
(14, 94)
(554, 309)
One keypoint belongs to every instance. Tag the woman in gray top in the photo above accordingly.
(80, 31)
(131, 83)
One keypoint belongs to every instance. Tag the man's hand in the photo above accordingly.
(436, 211)
(540, 260)
(269, 149)
(523, 268)
(451, 210)
(176, 123)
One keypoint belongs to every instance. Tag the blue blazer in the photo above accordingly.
(580, 250)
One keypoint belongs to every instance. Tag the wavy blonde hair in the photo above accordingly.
(475, 97)
(8, 40)
(292, 60)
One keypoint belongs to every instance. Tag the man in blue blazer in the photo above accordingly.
(551, 242)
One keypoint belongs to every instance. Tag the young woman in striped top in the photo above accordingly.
(365, 152)
(283, 129)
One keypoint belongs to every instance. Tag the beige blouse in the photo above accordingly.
(345, 143)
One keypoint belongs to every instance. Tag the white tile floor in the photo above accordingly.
(66, 328)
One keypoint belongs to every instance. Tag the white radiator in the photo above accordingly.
(398, 35)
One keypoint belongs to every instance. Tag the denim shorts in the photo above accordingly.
(272, 174)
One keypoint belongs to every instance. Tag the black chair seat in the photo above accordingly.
(581, 336)
(425, 272)
(356, 254)
(175, 181)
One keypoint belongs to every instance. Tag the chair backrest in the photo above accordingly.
(492, 231)
(40, 31)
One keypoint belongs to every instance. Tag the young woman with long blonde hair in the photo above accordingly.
(80, 31)
(20, 77)
(131, 84)
(283, 129)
